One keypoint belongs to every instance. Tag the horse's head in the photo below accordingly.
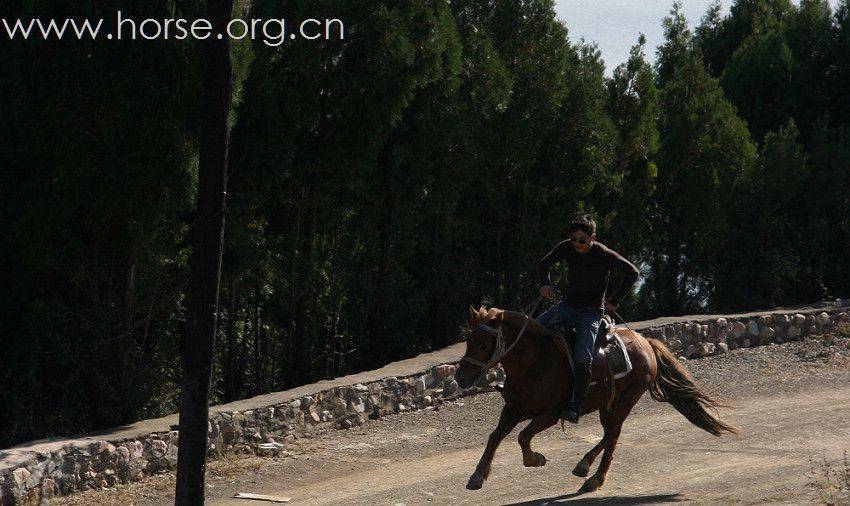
(480, 344)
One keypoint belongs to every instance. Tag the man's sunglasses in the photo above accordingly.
(580, 240)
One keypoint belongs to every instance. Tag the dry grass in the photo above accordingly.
(832, 347)
(831, 480)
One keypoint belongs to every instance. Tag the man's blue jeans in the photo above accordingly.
(585, 321)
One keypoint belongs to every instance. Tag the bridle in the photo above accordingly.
(499, 352)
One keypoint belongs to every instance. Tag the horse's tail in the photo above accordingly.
(675, 385)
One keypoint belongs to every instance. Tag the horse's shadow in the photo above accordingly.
(576, 498)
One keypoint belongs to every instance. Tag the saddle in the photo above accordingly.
(610, 358)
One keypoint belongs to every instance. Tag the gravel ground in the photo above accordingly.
(425, 457)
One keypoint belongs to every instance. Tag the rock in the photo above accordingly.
(721, 323)
(753, 328)
(238, 420)
(450, 387)
(765, 320)
(121, 456)
(444, 371)
(156, 449)
(306, 401)
(738, 329)
(823, 319)
(746, 343)
(136, 449)
(793, 332)
(799, 320)
(733, 345)
(48, 489)
(691, 351)
(326, 416)
(314, 418)
(361, 388)
(358, 405)
(766, 333)
(427, 400)
(419, 386)
(295, 405)
(670, 332)
(722, 348)
(19, 479)
(706, 349)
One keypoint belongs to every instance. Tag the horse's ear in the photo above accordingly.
(472, 316)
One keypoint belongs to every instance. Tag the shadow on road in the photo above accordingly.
(577, 498)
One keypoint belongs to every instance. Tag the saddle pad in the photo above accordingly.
(616, 357)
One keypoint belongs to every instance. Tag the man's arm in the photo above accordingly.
(630, 275)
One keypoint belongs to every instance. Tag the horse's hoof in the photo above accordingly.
(537, 460)
(475, 482)
(581, 469)
(590, 485)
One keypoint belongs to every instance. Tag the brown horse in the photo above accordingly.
(537, 385)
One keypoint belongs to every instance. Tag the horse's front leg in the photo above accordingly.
(507, 421)
(583, 467)
(538, 424)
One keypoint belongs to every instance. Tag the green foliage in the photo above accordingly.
(758, 80)
(98, 167)
(771, 191)
(382, 182)
(705, 148)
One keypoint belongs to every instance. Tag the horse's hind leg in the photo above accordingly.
(530, 458)
(614, 425)
(507, 421)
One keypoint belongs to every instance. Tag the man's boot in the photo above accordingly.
(581, 384)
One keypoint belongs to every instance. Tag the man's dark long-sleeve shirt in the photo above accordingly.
(588, 274)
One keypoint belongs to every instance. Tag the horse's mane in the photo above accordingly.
(516, 320)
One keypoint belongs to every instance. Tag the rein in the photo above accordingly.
(499, 352)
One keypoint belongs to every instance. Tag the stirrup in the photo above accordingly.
(570, 414)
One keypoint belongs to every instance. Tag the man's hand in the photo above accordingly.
(610, 307)
(547, 291)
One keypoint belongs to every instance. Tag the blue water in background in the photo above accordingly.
(614, 25)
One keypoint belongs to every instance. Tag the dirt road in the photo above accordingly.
(793, 406)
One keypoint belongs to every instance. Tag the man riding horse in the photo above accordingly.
(589, 264)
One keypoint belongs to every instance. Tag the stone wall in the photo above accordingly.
(45, 469)
(702, 337)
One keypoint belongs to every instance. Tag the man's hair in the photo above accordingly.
(584, 223)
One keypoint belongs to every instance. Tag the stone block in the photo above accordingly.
(738, 329)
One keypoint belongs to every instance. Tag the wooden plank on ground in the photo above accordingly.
(260, 497)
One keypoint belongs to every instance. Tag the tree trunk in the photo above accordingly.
(208, 241)
(231, 393)
(258, 356)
